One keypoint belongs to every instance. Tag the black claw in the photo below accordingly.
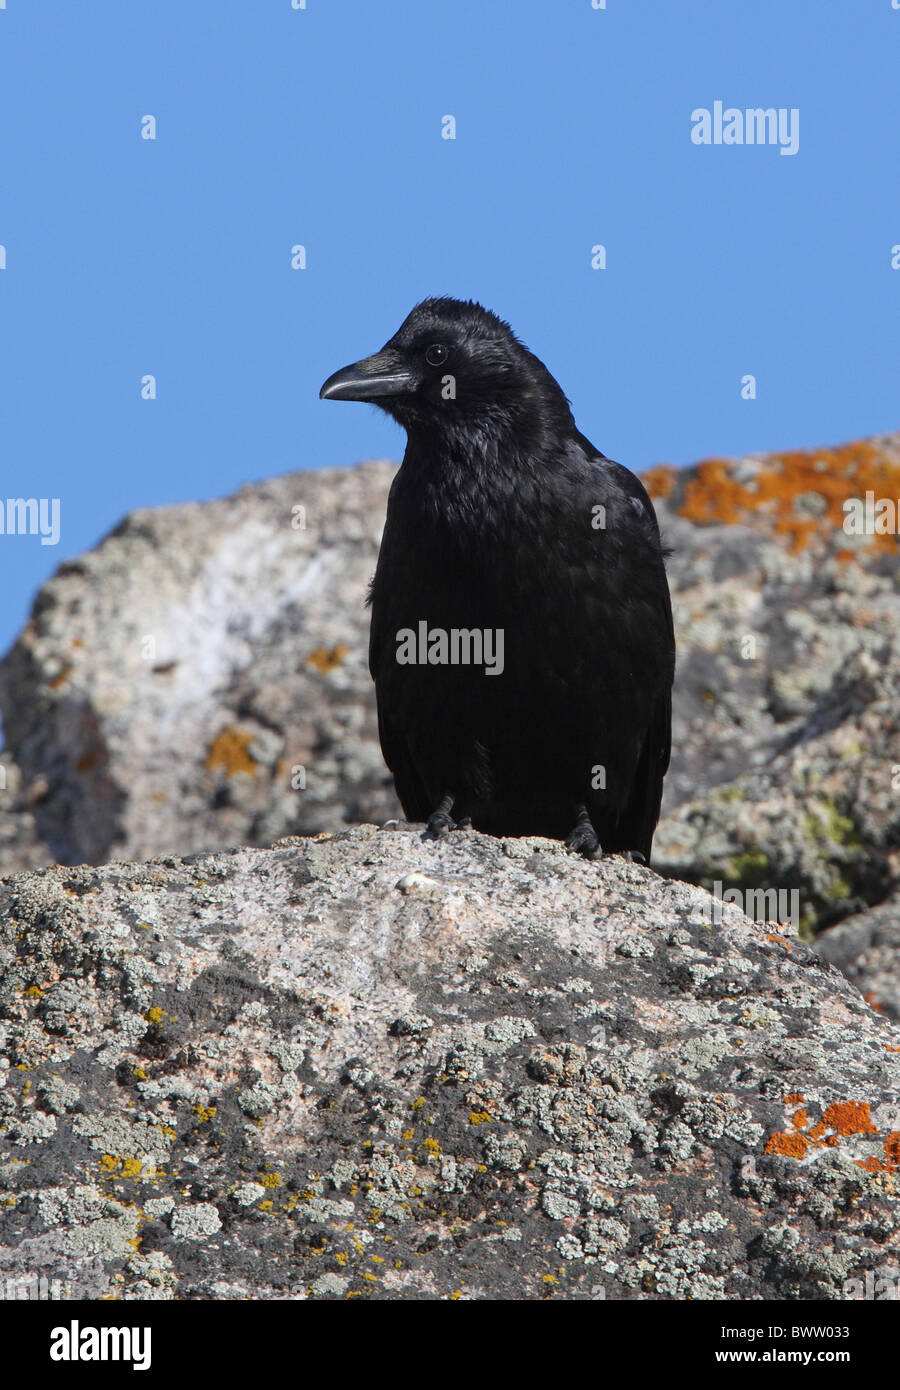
(582, 838)
(634, 856)
(440, 822)
(438, 826)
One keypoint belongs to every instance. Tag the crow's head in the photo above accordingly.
(453, 365)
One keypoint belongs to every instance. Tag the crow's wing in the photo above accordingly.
(410, 789)
(634, 824)
(635, 827)
(393, 558)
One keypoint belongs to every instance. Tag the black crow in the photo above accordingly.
(521, 642)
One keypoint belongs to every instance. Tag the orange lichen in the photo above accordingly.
(659, 481)
(712, 494)
(769, 497)
(799, 528)
(327, 659)
(892, 1148)
(792, 1145)
(891, 1161)
(850, 1117)
(229, 751)
(841, 1118)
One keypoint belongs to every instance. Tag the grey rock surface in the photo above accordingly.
(786, 714)
(866, 947)
(363, 1066)
(199, 680)
(21, 846)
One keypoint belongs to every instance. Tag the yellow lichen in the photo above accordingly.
(230, 751)
(327, 659)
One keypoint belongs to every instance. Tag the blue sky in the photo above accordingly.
(322, 127)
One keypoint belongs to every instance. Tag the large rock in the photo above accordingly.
(786, 730)
(200, 679)
(362, 1065)
(786, 774)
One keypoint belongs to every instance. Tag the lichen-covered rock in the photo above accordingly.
(21, 846)
(366, 1066)
(786, 713)
(866, 947)
(200, 679)
(803, 797)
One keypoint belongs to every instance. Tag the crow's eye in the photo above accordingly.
(436, 354)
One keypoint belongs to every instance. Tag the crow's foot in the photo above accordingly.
(582, 838)
(440, 822)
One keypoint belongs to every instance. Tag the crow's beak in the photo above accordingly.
(368, 380)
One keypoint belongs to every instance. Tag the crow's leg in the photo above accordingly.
(440, 822)
(583, 837)
(634, 856)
